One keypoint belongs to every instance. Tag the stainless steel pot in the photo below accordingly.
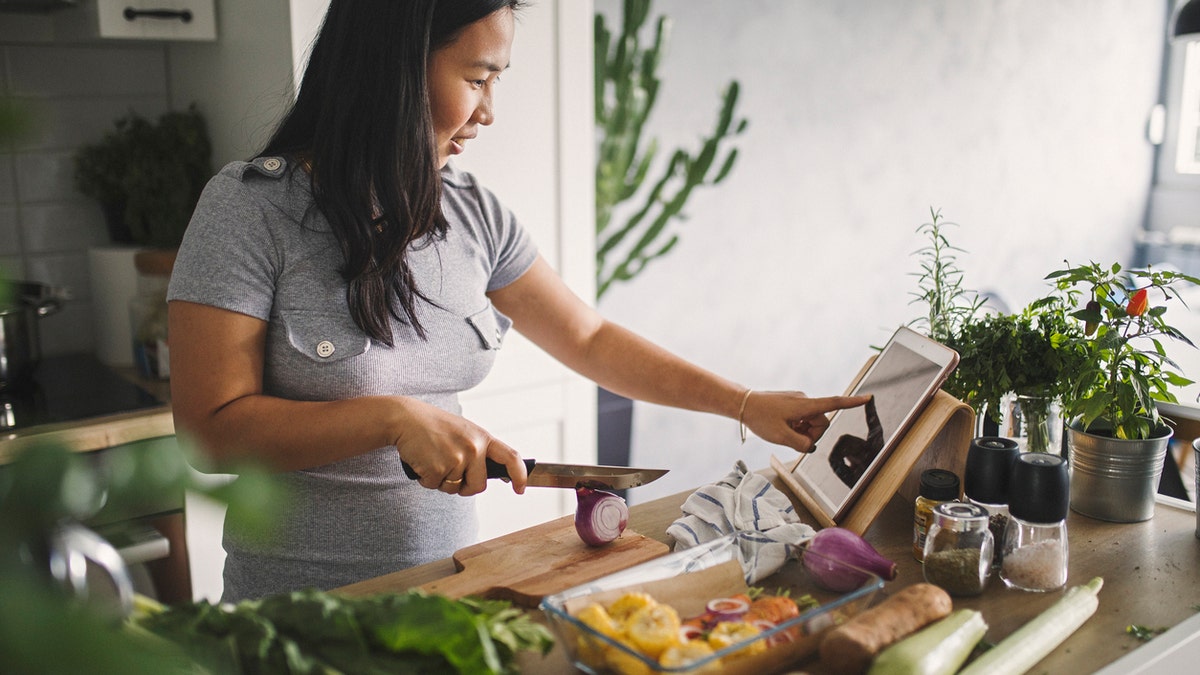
(24, 303)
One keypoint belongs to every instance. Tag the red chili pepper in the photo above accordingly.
(1137, 304)
(1093, 309)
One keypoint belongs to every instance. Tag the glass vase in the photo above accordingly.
(1034, 422)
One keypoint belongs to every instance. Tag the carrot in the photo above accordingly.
(773, 608)
(850, 647)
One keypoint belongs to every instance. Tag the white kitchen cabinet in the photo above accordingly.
(167, 20)
(537, 157)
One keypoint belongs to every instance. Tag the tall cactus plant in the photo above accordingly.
(626, 90)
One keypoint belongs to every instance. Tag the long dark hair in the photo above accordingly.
(362, 122)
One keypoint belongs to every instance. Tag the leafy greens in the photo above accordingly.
(314, 631)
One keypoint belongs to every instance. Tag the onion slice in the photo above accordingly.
(733, 606)
(600, 517)
(727, 609)
(841, 557)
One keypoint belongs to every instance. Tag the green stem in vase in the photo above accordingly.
(1035, 413)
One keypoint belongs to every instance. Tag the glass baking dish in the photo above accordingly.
(686, 581)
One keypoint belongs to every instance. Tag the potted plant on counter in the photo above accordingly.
(148, 176)
(1010, 370)
(999, 354)
(1115, 436)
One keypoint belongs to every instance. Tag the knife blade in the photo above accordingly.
(571, 476)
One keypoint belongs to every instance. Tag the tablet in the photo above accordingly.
(901, 380)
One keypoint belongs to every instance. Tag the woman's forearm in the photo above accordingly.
(632, 366)
(300, 435)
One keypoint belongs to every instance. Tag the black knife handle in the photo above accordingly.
(497, 470)
(494, 469)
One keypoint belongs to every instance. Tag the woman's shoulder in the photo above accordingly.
(267, 169)
(265, 191)
(262, 181)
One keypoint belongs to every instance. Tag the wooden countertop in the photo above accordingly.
(1151, 574)
(98, 433)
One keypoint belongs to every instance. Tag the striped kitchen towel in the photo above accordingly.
(747, 504)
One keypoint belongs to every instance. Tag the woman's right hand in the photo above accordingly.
(449, 452)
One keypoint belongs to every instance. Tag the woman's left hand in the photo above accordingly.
(791, 418)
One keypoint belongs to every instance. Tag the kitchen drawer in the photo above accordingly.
(185, 20)
(157, 19)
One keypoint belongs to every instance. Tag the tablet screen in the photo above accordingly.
(901, 380)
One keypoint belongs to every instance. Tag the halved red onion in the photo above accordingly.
(600, 517)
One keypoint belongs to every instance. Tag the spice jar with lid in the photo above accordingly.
(937, 486)
(958, 549)
(1035, 539)
(985, 481)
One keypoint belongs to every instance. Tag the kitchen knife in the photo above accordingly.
(546, 474)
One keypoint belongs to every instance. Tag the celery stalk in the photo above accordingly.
(938, 649)
(1031, 643)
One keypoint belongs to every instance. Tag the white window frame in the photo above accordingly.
(1187, 150)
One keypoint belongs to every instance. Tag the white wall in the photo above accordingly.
(1024, 121)
(243, 81)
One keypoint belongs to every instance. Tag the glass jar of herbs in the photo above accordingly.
(958, 548)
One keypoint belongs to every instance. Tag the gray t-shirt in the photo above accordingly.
(257, 246)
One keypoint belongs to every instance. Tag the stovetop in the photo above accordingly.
(70, 388)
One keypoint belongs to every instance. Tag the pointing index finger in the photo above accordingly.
(831, 403)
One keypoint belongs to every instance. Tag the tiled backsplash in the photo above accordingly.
(75, 93)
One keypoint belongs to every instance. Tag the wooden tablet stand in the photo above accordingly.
(939, 438)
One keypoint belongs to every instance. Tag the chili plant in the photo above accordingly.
(1123, 366)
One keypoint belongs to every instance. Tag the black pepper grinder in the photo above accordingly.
(985, 481)
(1035, 540)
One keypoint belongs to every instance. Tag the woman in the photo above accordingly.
(333, 295)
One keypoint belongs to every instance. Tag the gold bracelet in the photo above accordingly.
(742, 412)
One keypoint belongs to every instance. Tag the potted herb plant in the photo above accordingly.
(1002, 357)
(1009, 366)
(147, 176)
(1115, 436)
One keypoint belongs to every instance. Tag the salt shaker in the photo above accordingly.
(1035, 539)
(958, 548)
(985, 481)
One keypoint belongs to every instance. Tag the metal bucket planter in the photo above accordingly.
(1115, 479)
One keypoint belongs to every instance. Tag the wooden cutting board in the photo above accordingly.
(525, 566)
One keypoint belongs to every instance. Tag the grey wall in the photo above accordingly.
(75, 92)
(1023, 121)
(76, 88)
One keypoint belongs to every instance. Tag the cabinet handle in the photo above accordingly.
(184, 15)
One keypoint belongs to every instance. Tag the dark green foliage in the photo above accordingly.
(43, 629)
(313, 631)
(148, 175)
(1003, 353)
